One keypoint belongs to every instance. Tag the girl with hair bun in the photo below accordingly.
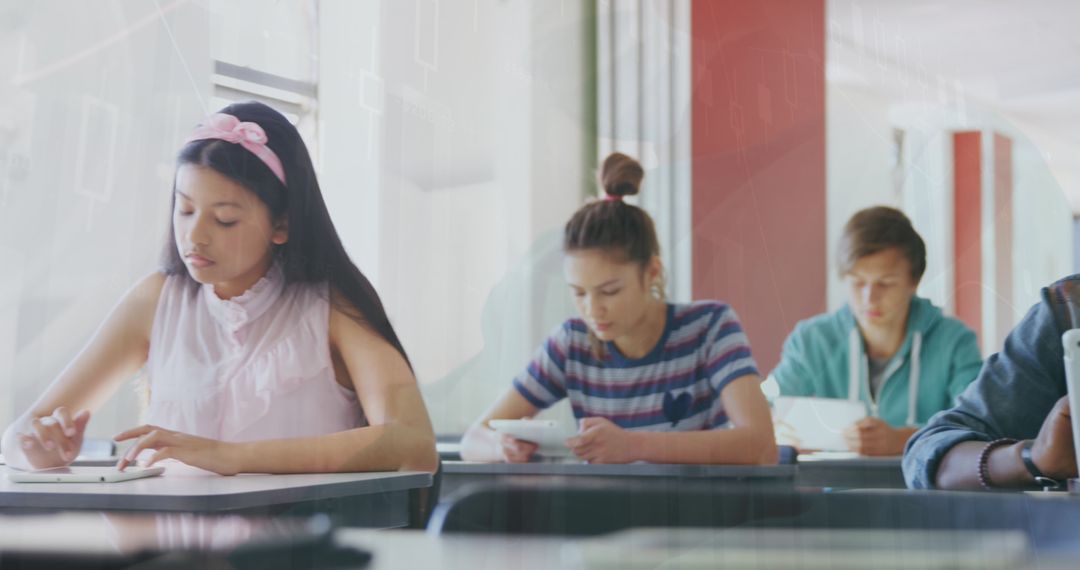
(648, 380)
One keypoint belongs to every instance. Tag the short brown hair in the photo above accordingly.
(877, 229)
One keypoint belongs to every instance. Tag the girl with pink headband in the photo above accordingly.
(265, 348)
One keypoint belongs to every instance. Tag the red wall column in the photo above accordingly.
(758, 148)
(967, 228)
(1003, 241)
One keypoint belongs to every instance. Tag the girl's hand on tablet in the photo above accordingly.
(513, 450)
(600, 441)
(53, 440)
(201, 452)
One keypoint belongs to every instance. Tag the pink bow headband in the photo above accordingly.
(248, 135)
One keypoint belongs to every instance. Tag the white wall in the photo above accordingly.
(858, 169)
(927, 191)
(351, 108)
(890, 65)
(643, 109)
(90, 119)
(452, 146)
(274, 37)
(1042, 220)
(860, 122)
(1042, 227)
(860, 158)
(482, 165)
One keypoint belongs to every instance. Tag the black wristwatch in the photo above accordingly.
(1045, 482)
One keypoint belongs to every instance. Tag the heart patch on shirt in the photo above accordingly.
(676, 408)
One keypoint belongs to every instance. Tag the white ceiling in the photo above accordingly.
(1019, 58)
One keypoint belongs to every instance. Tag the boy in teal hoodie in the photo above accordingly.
(886, 347)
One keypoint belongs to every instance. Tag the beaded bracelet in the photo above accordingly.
(984, 456)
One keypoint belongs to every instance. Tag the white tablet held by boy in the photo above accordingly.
(816, 423)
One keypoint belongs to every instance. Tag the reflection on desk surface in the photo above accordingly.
(690, 549)
(805, 548)
(847, 456)
(103, 534)
(93, 536)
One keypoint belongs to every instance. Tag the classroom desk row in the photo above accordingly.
(823, 472)
(699, 527)
(366, 499)
(816, 529)
(386, 500)
(817, 512)
(378, 500)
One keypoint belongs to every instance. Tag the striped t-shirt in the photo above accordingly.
(676, 387)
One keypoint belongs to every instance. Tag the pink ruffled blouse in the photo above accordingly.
(254, 367)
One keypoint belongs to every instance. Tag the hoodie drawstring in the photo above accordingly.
(857, 370)
(854, 377)
(913, 378)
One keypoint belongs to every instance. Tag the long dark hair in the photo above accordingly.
(313, 253)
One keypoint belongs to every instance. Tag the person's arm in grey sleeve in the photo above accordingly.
(1012, 395)
(966, 363)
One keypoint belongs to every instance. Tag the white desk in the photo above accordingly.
(457, 474)
(366, 499)
(569, 467)
(850, 471)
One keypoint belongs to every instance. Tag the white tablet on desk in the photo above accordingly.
(815, 423)
(83, 475)
(547, 434)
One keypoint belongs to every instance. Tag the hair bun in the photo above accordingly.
(621, 175)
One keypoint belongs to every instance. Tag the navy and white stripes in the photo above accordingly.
(703, 348)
